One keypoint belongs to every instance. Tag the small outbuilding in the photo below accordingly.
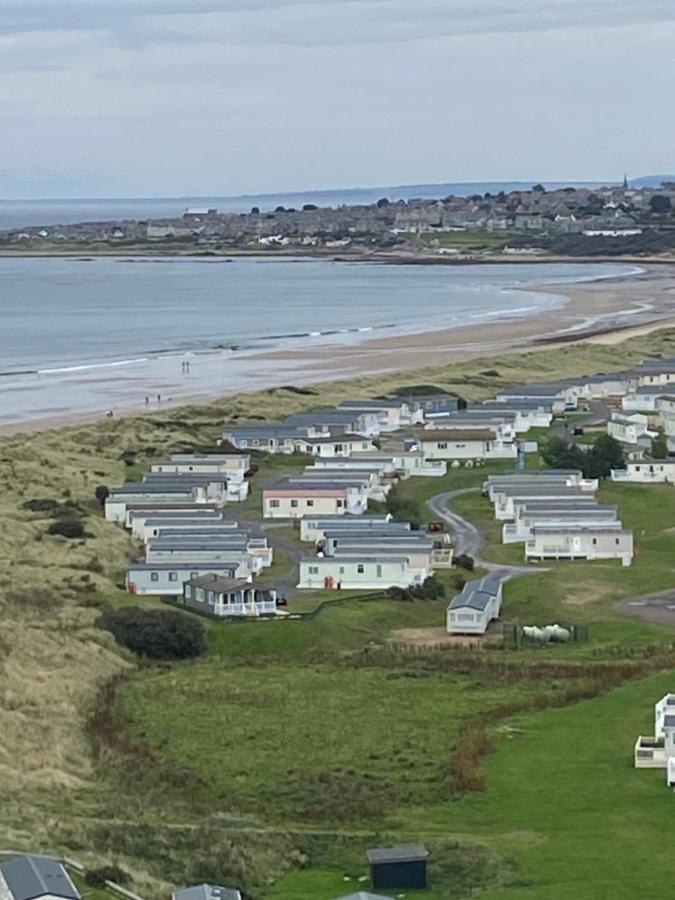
(403, 866)
(32, 877)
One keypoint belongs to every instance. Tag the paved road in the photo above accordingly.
(468, 538)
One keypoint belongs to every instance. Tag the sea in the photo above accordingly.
(88, 334)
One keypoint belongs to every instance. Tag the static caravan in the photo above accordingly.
(589, 541)
(357, 572)
(337, 446)
(313, 528)
(643, 399)
(336, 539)
(149, 527)
(655, 372)
(224, 597)
(233, 466)
(465, 445)
(392, 414)
(291, 502)
(506, 498)
(167, 578)
(139, 513)
(138, 493)
(521, 528)
(478, 604)
(647, 471)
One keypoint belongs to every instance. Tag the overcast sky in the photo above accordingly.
(177, 97)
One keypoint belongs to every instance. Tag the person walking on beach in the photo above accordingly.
(187, 366)
(159, 398)
(147, 400)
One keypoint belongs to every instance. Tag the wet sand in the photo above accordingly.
(604, 311)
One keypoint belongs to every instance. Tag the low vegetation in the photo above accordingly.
(155, 633)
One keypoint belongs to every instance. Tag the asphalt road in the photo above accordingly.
(469, 539)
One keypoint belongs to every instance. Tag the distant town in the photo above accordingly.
(567, 221)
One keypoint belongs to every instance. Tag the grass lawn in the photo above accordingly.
(565, 801)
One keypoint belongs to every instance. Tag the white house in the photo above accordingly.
(358, 572)
(32, 877)
(465, 445)
(478, 604)
(588, 541)
(658, 751)
(647, 471)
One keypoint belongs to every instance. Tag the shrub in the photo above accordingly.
(102, 493)
(41, 504)
(155, 633)
(464, 561)
(128, 457)
(67, 528)
(98, 877)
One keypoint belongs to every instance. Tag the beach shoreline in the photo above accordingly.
(606, 310)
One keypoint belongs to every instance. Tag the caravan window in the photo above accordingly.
(154, 576)
(173, 576)
(360, 568)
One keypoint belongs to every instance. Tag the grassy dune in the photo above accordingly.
(167, 822)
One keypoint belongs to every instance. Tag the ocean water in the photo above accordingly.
(20, 213)
(58, 314)
(83, 337)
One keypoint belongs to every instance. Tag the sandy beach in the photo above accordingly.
(604, 311)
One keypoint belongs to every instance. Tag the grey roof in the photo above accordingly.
(348, 520)
(372, 404)
(649, 390)
(206, 892)
(273, 429)
(29, 877)
(151, 487)
(184, 478)
(207, 457)
(325, 416)
(347, 437)
(400, 853)
(477, 594)
(355, 557)
(193, 534)
(205, 565)
(513, 406)
(600, 528)
(206, 516)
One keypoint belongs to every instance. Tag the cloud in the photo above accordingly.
(324, 21)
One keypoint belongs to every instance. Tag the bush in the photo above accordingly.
(464, 561)
(41, 504)
(102, 493)
(155, 633)
(98, 877)
(67, 528)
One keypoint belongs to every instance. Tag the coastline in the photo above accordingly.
(602, 311)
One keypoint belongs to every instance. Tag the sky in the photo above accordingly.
(121, 98)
